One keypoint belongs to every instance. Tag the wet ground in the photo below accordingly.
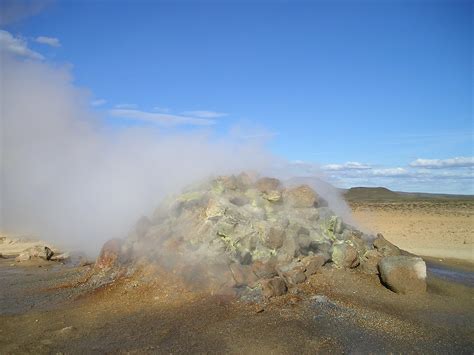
(334, 311)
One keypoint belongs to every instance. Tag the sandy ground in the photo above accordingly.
(442, 229)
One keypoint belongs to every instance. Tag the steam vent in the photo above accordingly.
(255, 238)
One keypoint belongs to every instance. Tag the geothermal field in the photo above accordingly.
(251, 264)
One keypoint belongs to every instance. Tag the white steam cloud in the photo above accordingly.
(70, 180)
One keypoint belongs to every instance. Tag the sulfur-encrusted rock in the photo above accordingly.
(238, 232)
(403, 274)
(345, 255)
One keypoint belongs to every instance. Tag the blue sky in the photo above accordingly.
(374, 92)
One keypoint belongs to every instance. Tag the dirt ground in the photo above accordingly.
(335, 311)
(45, 308)
(442, 229)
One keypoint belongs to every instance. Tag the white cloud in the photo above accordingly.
(98, 102)
(50, 41)
(126, 106)
(16, 46)
(350, 165)
(162, 118)
(390, 172)
(204, 114)
(458, 162)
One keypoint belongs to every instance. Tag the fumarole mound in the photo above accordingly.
(249, 237)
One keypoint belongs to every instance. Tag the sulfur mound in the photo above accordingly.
(245, 235)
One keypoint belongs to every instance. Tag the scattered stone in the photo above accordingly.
(403, 274)
(273, 287)
(301, 196)
(345, 255)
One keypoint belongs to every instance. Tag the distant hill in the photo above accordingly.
(383, 194)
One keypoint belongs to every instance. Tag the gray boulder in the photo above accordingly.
(403, 274)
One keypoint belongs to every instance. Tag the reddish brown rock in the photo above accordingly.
(243, 274)
(301, 196)
(313, 263)
(273, 287)
(267, 184)
(110, 255)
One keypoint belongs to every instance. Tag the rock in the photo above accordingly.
(264, 270)
(42, 252)
(239, 200)
(228, 182)
(60, 257)
(24, 256)
(267, 184)
(403, 274)
(48, 253)
(345, 255)
(272, 196)
(273, 287)
(294, 276)
(273, 237)
(215, 209)
(243, 274)
(385, 247)
(369, 262)
(313, 263)
(110, 255)
(301, 196)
